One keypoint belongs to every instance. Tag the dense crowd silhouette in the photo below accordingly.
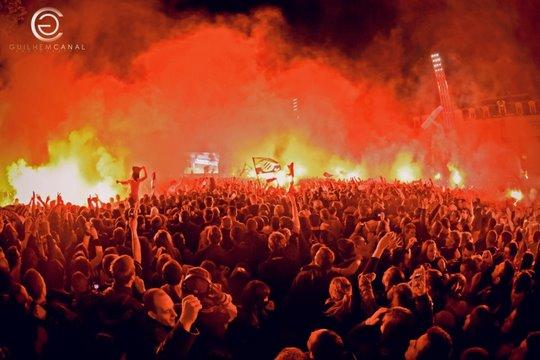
(229, 269)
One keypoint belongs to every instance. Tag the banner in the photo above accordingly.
(265, 165)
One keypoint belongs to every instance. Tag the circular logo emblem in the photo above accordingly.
(45, 24)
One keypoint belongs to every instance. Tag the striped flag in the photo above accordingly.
(266, 165)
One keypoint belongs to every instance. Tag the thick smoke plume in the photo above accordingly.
(153, 85)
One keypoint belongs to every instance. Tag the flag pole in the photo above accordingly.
(243, 170)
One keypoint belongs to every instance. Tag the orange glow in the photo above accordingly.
(310, 161)
(405, 169)
(77, 168)
(456, 176)
(405, 173)
(64, 177)
(515, 194)
(241, 86)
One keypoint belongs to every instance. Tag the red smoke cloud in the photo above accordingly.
(154, 87)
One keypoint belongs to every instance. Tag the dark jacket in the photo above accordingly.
(154, 340)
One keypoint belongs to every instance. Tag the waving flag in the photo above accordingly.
(327, 174)
(265, 165)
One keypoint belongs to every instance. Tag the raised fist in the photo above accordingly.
(190, 310)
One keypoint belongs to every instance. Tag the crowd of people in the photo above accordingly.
(229, 269)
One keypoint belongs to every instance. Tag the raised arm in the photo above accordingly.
(90, 202)
(29, 230)
(294, 212)
(145, 174)
(509, 216)
(369, 304)
(123, 182)
(92, 234)
(389, 240)
(349, 270)
(98, 204)
(135, 242)
(471, 210)
(178, 342)
(32, 200)
(59, 200)
(43, 203)
(99, 249)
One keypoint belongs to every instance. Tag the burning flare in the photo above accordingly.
(311, 161)
(77, 168)
(456, 176)
(405, 169)
(515, 194)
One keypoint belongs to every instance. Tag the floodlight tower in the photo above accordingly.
(296, 107)
(444, 94)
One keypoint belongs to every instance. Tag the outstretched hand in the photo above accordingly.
(388, 241)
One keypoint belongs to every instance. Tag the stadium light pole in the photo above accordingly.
(444, 94)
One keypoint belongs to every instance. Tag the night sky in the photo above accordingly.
(349, 29)
(350, 26)
(346, 25)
